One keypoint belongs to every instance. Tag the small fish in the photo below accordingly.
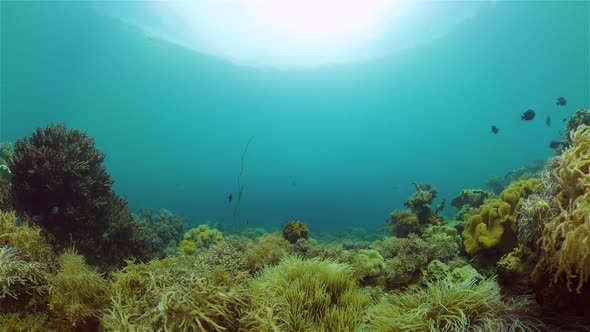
(561, 101)
(37, 218)
(54, 210)
(548, 121)
(554, 144)
(105, 235)
(17, 222)
(230, 197)
(528, 115)
(495, 129)
(564, 120)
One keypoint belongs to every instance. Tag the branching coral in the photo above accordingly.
(77, 293)
(123, 238)
(169, 295)
(58, 178)
(444, 305)
(16, 232)
(305, 295)
(566, 244)
(60, 168)
(18, 276)
(164, 229)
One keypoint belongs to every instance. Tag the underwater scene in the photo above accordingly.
(308, 166)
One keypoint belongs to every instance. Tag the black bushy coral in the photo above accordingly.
(58, 179)
(58, 175)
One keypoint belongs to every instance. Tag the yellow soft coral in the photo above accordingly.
(566, 238)
(495, 225)
(485, 230)
(203, 236)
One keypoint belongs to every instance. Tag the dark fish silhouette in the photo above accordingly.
(564, 119)
(561, 101)
(528, 115)
(548, 121)
(230, 197)
(554, 144)
(495, 129)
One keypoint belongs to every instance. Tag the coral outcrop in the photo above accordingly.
(295, 230)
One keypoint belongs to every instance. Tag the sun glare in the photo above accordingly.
(314, 22)
(293, 33)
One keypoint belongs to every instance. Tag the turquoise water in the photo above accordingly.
(335, 146)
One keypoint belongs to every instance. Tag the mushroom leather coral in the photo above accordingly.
(494, 226)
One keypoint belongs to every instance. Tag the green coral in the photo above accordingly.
(203, 236)
(367, 264)
(265, 251)
(472, 197)
(164, 229)
(77, 293)
(18, 276)
(306, 295)
(6, 152)
(295, 230)
(445, 305)
(172, 295)
(421, 203)
(403, 222)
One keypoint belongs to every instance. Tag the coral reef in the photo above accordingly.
(203, 236)
(18, 277)
(403, 222)
(498, 184)
(58, 176)
(421, 204)
(169, 295)
(494, 227)
(306, 295)
(295, 230)
(77, 293)
(581, 117)
(123, 238)
(164, 230)
(444, 305)
(6, 152)
(566, 249)
(59, 180)
(472, 197)
(367, 265)
(265, 251)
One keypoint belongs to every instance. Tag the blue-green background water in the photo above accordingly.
(335, 146)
